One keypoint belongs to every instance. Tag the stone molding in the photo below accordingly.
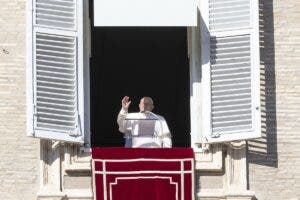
(56, 160)
(210, 160)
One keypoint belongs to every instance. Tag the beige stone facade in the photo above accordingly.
(19, 165)
(272, 170)
(274, 160)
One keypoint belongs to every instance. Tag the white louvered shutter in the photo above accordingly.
(230, 66)
(55, 62)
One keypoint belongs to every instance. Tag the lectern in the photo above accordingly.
(143, 173)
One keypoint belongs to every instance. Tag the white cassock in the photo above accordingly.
(144, 129)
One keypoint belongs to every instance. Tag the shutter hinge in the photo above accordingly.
(216, 134)
(202, 147)
(73, 132)
(77, 131)
(56, 144)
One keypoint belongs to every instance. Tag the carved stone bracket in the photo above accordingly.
(50, 171)
(56, 160)
(235, 179)
(210, 160)
(77, 158)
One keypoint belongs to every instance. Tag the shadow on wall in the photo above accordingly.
(264, 151)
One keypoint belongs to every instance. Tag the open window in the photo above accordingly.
(137, 62)
(219, 87)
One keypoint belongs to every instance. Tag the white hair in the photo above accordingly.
(148, 100)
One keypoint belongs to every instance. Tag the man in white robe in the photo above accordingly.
(143, 129)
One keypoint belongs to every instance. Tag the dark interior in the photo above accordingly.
(137, 62)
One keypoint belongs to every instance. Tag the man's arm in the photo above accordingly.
(122, 115)
(121, 120)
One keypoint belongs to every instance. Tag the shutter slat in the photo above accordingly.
(232, 2)
(231, 81)
(54, 12)
(231, 129)
(57, 83)
(232, 96)
(49, 16)
(56, 110)
(231, 92)
(55, 68)
(56, 8)
(72, 73)
(227, 123)
(55, 4)
(230, 60)
(64, 2)
(54, 62)
(229, 14)
(55, 102)
(56, 116)
(229, 113)
(57, 48)
(55, 58)
(56, 88)
(231, 88)
(56, 43)
(231, 107)
(231, 50)
(56, 18)
(231, 71)
(55, 23)
(234, 73)
(56, 94)
(40, 50)
(232, 116)
(226, 20)
(232, 6)
(231, 100)
(54, 127)
(230, 76)
(56, 78)
(237, 64)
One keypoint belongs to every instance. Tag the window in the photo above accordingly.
(224, 71)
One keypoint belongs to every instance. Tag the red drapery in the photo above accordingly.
(143, 174)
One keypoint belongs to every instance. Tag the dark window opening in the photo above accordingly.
(137, 62)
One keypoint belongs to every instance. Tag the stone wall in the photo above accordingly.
(19, 155)
(274, 160)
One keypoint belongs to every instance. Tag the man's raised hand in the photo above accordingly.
(125, 103)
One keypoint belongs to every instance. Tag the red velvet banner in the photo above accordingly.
(143, 174)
